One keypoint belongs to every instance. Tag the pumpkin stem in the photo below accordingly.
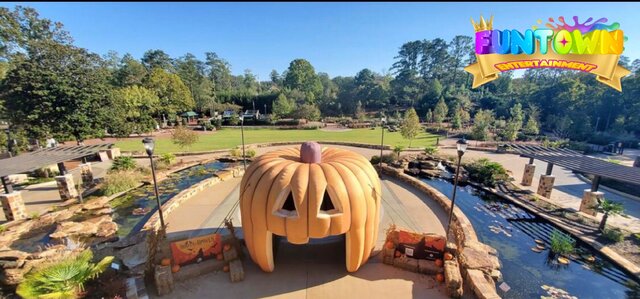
(310, 152)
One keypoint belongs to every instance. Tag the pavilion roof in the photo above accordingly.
(43, 157)
(577, 161)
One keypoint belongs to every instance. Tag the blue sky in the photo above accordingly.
(337, 38)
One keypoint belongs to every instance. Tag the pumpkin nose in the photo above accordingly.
(310, 152)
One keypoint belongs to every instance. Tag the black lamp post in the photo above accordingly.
(149, 146)
(462, 147)
(383, 120)
(244, 158)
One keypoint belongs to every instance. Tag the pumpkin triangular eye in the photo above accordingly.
(327, 204)
(289, 205)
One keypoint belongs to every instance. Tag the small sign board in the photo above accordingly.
(421, 246)
(196, 249)
(504, 287)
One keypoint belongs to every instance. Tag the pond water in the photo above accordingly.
(512, 231)
(143, 199)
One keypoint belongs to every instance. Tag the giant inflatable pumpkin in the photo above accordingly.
(310, 192)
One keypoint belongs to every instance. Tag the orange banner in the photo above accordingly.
(191, 250)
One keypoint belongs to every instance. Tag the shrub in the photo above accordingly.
(208, 126)
(398, 150)
(63, 279)
(217, 123)
(34, 215)
(487, 172)
(236, 152)
(3, 228)
(430, 150)
(45, 173)
(123, 163)
(388, 159)
(561, 243)
(184, 137)
(613, 234)
(167, 158)
(118, 181)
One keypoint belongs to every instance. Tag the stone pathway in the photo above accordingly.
(568, 189)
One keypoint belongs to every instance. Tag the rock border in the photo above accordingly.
(479, 277)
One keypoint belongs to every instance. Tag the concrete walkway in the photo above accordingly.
(312, 270)
(39, 197)
(568, 189)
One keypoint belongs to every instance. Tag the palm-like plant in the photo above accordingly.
(64, 279)
(397, 150)
(123, 163)
(608, 208)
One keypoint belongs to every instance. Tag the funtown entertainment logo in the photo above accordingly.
(592, 48)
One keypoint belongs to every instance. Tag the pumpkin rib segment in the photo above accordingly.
(355, 237)
(246, 201)
(376, 185)
(297, 228)
(339, 225)
(362, 178)
(318, 226)
(277, 224)
(263, 252)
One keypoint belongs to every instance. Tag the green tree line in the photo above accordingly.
(50, 87)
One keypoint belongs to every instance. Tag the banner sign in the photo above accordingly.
(196, 249)
(593, 48)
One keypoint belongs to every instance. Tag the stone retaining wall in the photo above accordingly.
(478, 261)
(186, 194)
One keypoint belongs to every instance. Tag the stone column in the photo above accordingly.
(86, 173)
(545, 186)
(66, 187)
(527, 176)
(13, 206)
(113, 152)
(164, 280)
(590, 201)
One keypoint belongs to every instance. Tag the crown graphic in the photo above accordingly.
(483, 25)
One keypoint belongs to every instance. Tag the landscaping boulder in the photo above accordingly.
(103, 224)
(412, 171)
(96, 204)
(482, 285)
(430, 173)
(134, 255)
(106, 229)
(472, 258)
(428, 165)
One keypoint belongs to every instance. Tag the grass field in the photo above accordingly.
(230, 138)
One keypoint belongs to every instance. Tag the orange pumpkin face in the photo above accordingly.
(310, 193)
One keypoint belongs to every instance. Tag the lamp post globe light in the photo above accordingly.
(149, 146)
(461, 146)
(383, 121)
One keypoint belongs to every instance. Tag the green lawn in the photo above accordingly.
(230, 138)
